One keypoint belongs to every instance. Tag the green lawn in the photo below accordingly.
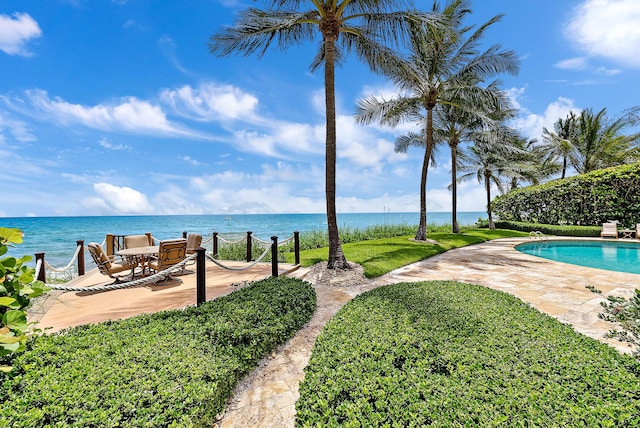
(379, 256)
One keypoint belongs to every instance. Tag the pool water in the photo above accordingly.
(610, 255)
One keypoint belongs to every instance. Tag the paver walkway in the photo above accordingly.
(266, 398)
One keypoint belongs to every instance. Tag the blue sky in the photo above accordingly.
(116, 107)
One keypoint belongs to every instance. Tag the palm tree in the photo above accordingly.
(440, 68)
(488, 160)
(601, 143)
(346, 26)
(457, 123)
(561, 142)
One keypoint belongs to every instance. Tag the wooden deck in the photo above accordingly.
(58, 310)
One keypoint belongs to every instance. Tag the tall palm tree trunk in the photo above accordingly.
(337, 260)
(454, 189)
(487, 187)
(421, 234)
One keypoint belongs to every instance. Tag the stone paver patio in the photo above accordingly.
(266, 398)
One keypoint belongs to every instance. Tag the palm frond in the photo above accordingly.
(256, 30)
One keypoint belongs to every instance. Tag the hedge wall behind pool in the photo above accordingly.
(587, 199)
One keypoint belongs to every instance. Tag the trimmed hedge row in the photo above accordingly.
(452, 354)
(173, 368)
(551, 229)
(586, 199)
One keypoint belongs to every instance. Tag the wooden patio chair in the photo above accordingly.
(170, 253)
(110, 266)
(193, 241)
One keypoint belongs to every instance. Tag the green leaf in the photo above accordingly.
(9, 302)
(15, 320)
(13, 236)
(9, 338)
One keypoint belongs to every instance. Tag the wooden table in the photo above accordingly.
(627, 233)
(140, 252)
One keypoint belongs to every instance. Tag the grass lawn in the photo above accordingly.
(379, 256)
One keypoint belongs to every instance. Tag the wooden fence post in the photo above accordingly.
(274, 256)
(80, 243)
(296, 246)
(249, 255)
(201, 286)
(215, 245)
(109, 244)
(41, 275)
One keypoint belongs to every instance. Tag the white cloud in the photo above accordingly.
(607, 28)
(211, 102)
(129, 115)
(16, 128)
(104, 142)
(120, 200)
(603, 71)
(16, 32)
(192, 161)
(531, 124)
(578, 63)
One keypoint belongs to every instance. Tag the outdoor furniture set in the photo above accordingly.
(141, 256)
(610, 230)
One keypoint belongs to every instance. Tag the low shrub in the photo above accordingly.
(551, 229)
(173, 368)
(451, 354)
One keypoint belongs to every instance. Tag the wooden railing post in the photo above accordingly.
(215, 245)
(296, 246)
(201, 286)
(109, 244)
(41, 275)
(249, 255)
(80, 243)
(274, 256)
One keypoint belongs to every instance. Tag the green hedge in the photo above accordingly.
(587, 199)
(452, 354)
(173, 368)
(551, 229)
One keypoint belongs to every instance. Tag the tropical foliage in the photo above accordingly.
(444, 68)
(586, 199)
(591, 140)
(17, 288)
(362, 27)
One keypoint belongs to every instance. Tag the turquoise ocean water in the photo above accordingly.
(57, 236)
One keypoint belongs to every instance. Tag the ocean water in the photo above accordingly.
(57, 236)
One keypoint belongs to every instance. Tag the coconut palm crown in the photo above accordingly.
(363, 27)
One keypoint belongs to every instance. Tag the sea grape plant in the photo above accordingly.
(17, 288)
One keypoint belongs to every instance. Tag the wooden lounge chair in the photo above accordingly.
(638, 231)
(609, 230)
(110, 266)
(170, 253)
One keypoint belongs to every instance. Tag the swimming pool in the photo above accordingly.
(618, 256)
